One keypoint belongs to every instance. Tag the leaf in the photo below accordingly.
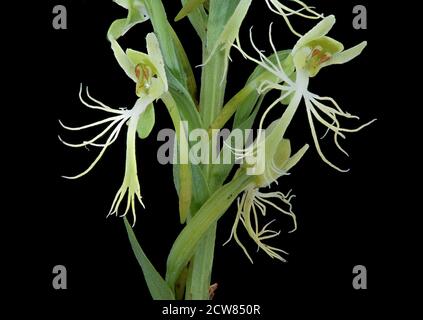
(146, 122)
(185, 245)
(185, 178)
(158, 287)
(184, 102)
(181, 169)
(183, 58)
(221, 172)
(189, 6)
(201, 191)
(198, 18)
(219, 16)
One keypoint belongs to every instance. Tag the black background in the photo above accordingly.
(344, 219)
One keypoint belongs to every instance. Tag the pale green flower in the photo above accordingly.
(312, 52)
(147, 70)
(276, 162)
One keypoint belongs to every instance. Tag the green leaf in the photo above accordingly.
(182, 175)
(219, 15)
(184, 102)
(198, 18)
(221, 172)
(185, 64)
(185, 178)
(185, 245)
(146, 122)
(185, 191)
(196, 195)
(158, 287)
(189, 6)
(201, 191)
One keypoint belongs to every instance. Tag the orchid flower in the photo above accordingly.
(147, 70)
(276, 161)
(312, 52)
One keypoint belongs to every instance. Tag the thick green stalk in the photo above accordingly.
(201, 267)
(213, 84)
(213, 78)
(199, 273)
(196, 280)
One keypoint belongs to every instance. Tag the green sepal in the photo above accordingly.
(146, 122)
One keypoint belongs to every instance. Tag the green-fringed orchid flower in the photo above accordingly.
(284, 11)
(147, 70)
(276, 161)
(312, 52)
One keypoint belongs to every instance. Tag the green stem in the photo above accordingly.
(201, 267)
(213, 83)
